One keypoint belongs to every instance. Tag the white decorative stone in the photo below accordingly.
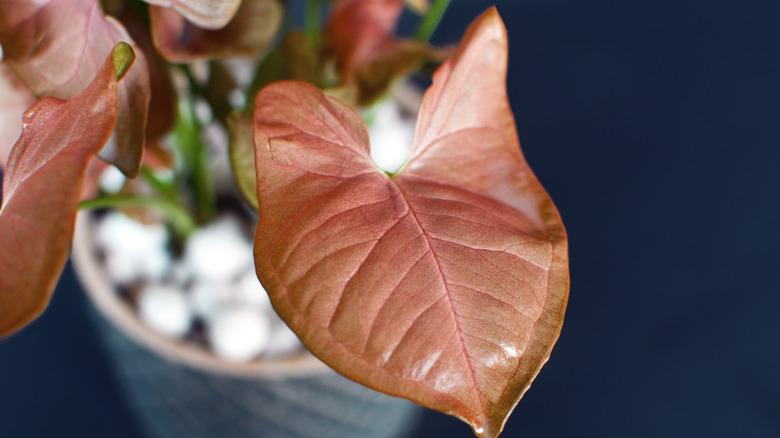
(391, 136)
(207, 298)
(165, 310)
(283, 341)
(112, 180)
(239, 334)
(122, 270)
(218, 253)
(119, 233)
(133, 250)
(249, 292)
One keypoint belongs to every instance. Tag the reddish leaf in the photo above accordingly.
(57, 46)
(162, 102)
(42, 187)
(249, 33)
(361, 35)
(445, 283)
(210, 14)
(16, 99)
(357, 28)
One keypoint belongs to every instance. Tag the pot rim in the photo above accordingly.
(105, 297)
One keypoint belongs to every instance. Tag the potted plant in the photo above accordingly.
(443, 282)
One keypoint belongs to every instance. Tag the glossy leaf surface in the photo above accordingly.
(42, 188)
(210, 14)
(445, 283)
(56, 47)
(248, 34)
(16, 98)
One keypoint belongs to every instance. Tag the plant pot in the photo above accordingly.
(175, 389)
(178, 390)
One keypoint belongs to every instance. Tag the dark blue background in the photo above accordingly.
(654, 126)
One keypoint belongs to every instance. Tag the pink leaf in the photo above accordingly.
(361, 35)
(57, 46)
(42, 188)
(210, 14)
(16, 99)
(445, 283)
(249, 33)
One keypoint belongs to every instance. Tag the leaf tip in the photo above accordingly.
(123, 57)
(484, 427)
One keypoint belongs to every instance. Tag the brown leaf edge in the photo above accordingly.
(42, 187)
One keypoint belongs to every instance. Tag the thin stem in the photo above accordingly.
(167, 189)
(195, 161)
(179, 217)
(431, 20)
(313, 22)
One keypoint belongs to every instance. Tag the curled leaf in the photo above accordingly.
(209, 14)
(242, 156)
(56, 47)
(16, 98)
(248, 34)
(445, 283)
(42, 188)
(162, 102)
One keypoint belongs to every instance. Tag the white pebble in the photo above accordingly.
(218, 253)
(155, 265)
(112, 180)
(119, 234)
(239, 334)
(248, 291)
(391, 137)
(207, 298)
(133, 250)
(165, 310)
(121, 269)
(283, 341)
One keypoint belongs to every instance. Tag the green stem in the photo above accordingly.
(313, 22)
(196, 170)
(431, 20)
(166, 189)
(179, 217)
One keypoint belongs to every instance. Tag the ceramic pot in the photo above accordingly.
(176, 390)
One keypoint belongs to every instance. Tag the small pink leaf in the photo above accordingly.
(445, 283)
(248, 34)
(361, 35)
(57, 46)
(42, 188)
(210, 14)
(16, 98)
(358, 28)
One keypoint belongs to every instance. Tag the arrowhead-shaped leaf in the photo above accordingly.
(57, 46)
(445, 283)
(249, 33)
(42, 188)
(211, 14)
(16, 98)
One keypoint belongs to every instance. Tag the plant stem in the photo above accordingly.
(431, 20)
(196, 170)
(313, 22)
(166, 189)
(180, 218)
